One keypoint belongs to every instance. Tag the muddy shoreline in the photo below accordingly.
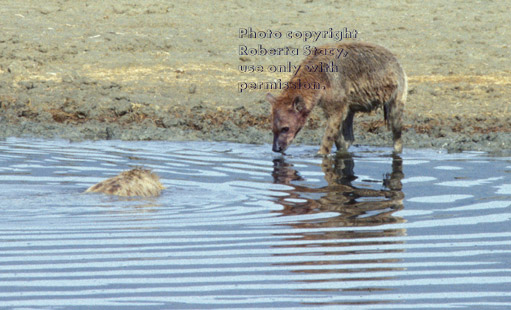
(161, 71)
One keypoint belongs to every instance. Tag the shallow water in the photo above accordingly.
(241, 228)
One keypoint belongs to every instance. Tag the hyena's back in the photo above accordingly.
(369, 75)
(135, 182)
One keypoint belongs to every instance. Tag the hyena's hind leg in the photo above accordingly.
(345, 137)
(394, 117)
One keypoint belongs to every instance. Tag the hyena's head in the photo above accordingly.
(289, 116)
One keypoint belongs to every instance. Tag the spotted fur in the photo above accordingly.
(368, 77)
(135, 182)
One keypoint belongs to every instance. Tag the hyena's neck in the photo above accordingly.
(309, 86)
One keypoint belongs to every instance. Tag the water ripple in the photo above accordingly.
(239, 228)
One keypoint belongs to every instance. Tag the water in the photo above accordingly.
(241, 228)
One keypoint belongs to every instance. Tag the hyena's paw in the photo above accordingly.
(398, 147)
(323, 151)
(343, 153)
(320, 154)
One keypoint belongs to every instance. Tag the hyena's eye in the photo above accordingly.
(284, 129)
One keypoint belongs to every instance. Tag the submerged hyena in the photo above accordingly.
(135, 182)
(368, 76)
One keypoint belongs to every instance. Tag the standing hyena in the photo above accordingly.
(363, 78)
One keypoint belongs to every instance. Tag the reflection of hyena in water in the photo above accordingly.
(340, 195)
(135, 182)
(368, 77)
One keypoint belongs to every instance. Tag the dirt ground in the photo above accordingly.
(167, 70)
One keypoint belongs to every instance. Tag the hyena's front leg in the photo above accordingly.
(345, 137)
(395, 116)
(331, 134)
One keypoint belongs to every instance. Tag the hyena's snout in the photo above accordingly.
(279, 146)
(282, 140)
(276, 146)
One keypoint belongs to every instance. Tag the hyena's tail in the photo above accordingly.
(393, 108)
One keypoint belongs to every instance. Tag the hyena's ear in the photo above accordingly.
(270, 98)
(299, 104)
